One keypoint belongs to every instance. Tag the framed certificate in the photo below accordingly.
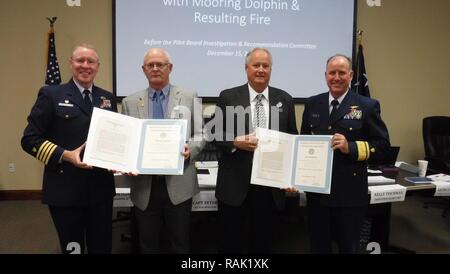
(142, 146)
(273, 159)
(313, 159)
(284, 160)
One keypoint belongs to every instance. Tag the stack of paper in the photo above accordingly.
(209, 179)
(373, 171)
(375, 180)
(206, 164)
(418, 180)
(441, 177)
(442, 183)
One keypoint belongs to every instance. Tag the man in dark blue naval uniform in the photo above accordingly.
(79, 196)
(358, 134)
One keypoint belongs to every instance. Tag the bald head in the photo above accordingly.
(85, 47)
(341, 57)
(158, 52)
(258, 65)
(338, 75)
(84, 64)
(157, 67)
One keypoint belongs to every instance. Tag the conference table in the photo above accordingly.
(379, 214)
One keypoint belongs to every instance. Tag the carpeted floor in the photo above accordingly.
(26, 228)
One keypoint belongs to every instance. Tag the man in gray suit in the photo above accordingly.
(163, 199)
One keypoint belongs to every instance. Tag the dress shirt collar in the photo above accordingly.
(81, 88)
(253, 93)
(165, 91)
(340, 99)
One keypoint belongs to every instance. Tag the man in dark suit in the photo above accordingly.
(79, 197)
(359, 133)
(239, 110)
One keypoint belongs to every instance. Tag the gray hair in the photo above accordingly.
(247, 57)
(86, 46)
(349, 60)
(163, 51)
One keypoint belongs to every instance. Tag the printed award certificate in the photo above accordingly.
(284, 160)
(142, 146)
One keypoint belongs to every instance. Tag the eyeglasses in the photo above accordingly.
(156, 65)
(264, 66)
(81, 61)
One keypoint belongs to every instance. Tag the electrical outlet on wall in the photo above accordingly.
(12, 167)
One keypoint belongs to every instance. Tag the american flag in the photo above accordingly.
(53, 76)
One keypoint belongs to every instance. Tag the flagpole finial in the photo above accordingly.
(360, 34)
(52, 21)
(53, 74)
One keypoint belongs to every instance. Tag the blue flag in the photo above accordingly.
(360, 82)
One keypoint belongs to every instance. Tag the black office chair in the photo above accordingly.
(125, 216)
(436, 139)
(210, 152)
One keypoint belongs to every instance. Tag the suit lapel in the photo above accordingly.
(243, 99)
(76, 98)
(244, 96)
(96, 98)
(174, 100)
(142, 104)
(323, 110)
(274, 99)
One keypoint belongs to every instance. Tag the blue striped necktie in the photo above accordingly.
(158, 112)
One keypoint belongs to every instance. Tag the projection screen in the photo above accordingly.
(208, 41)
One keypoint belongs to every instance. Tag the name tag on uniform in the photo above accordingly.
(65, 105)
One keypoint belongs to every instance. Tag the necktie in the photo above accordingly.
(259, 120)
(87, 99)
(335, 105)
(158, 112)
